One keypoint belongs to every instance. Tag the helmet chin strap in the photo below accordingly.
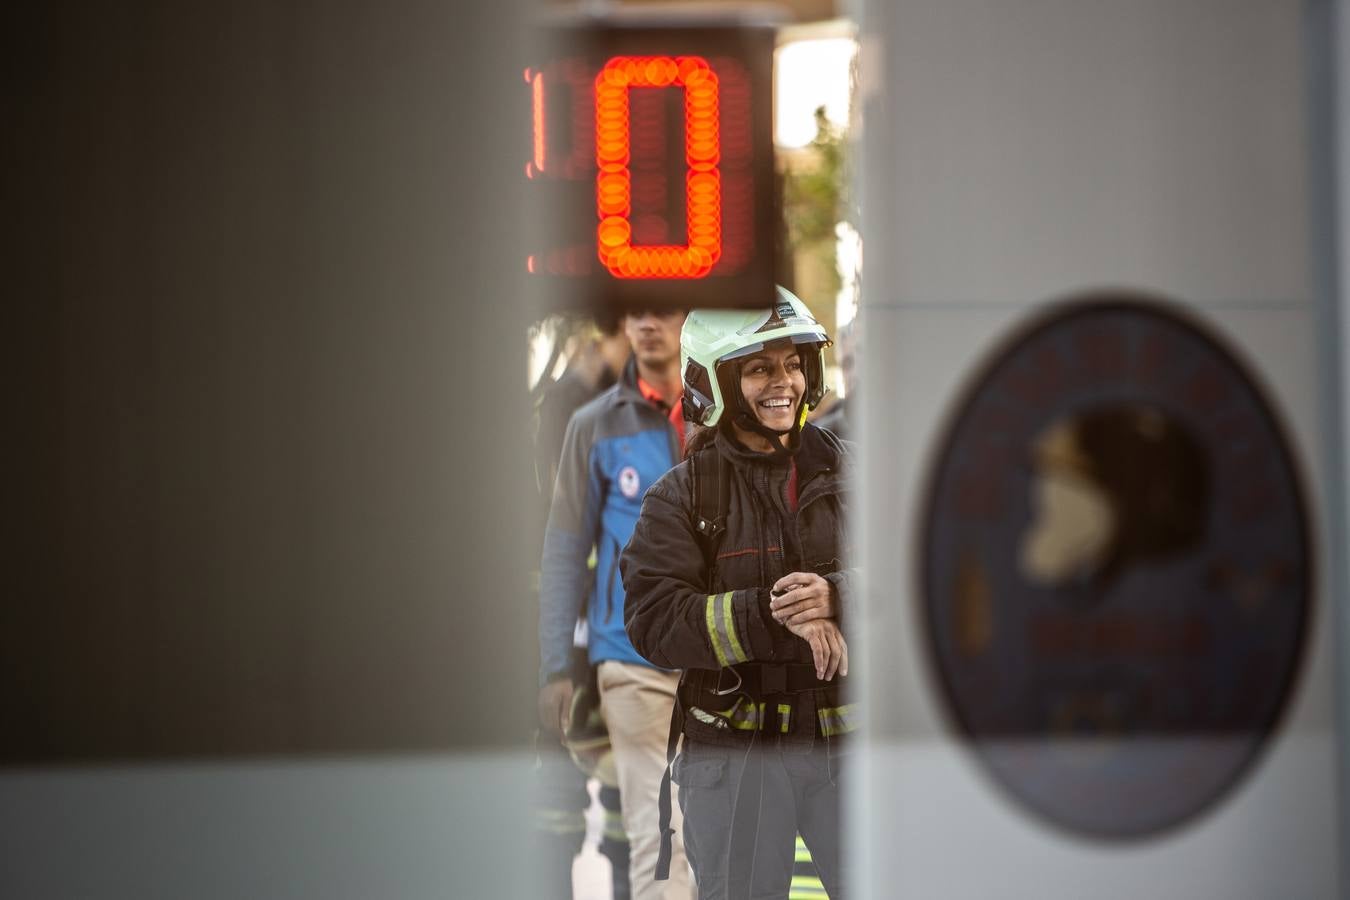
(746, 420)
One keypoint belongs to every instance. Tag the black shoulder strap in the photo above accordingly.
(712, 496)
(666, 848)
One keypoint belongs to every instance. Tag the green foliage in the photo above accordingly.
(815, 200)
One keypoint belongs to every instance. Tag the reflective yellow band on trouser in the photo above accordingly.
(802, 854)
(556, 821)
(805, 884)
(836, 719)
(721, 622)
(614, 825)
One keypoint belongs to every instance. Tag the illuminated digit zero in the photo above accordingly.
(702, 150)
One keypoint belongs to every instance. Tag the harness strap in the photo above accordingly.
(663, 802)
(772, 679)
(712, 494)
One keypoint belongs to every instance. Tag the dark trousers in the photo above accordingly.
(743, 807)
(560, 803)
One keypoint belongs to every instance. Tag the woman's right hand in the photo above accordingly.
(828, 648)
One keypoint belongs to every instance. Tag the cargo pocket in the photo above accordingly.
(705, 801)
(699, 771)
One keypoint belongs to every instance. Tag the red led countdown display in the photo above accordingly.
(614, 184)
(651, 163)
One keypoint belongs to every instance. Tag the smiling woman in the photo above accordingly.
(772, 383)
(750, 602)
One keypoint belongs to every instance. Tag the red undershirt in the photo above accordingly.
(675, 413)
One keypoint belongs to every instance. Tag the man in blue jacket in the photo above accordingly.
(615, 447)
(561, 796)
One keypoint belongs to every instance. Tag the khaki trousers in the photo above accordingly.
(637, 701)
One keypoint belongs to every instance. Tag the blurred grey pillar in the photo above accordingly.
(1018, 152)
(1328, 40)
(269, 631)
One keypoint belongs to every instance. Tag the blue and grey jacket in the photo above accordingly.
(615, 447)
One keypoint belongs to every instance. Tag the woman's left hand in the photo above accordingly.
(805, 596)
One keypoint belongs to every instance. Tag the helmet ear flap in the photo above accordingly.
(813, 367)
(700, 397)
(729, 382)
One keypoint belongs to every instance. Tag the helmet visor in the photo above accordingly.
(818, 339)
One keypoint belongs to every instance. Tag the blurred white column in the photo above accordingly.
(1016, 153)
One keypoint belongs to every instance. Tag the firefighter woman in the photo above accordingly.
(738, 574)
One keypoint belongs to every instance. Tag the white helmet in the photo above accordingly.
(712, 337)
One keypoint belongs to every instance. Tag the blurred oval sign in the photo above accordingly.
(1116, 567)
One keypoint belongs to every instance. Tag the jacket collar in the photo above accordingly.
(819, 452)
(816, 452)
(627, 386)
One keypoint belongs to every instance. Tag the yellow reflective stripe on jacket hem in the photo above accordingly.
(743, 716)
(836, 720)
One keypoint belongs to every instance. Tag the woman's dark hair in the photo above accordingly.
(702, 437)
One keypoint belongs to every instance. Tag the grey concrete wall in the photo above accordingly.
(268, 628)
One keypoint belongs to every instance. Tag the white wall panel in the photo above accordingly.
(1017, 153)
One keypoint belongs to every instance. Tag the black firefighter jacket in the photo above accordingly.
(716, 624)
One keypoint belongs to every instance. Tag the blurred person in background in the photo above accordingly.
(601, 353)
(736, 573)
(615, 446)
(561, 793)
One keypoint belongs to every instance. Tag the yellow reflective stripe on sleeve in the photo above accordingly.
(727, 616)
(802, 854)
(712, 631)
(721, 623)
(784, 717)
